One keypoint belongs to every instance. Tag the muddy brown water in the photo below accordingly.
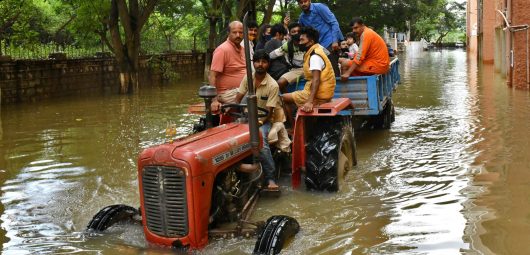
(451, 176)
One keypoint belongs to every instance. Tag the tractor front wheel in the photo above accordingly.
(277, 231)
(112, 215)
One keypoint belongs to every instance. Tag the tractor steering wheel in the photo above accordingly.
(240, 110)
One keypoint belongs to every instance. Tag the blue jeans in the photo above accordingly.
(267, 163)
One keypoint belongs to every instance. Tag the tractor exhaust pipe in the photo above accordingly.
(252, 104)
(208, 92)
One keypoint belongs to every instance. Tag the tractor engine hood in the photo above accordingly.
(203, 152)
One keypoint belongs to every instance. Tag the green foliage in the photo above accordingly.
(163, 67)
(376, 13)
(22, 22)
(174, 23)
(427, 19)
(444, 18)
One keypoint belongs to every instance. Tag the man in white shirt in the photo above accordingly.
(318, 72)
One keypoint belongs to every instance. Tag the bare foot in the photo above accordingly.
(272, 185)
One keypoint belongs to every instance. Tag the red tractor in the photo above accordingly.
(207, 184)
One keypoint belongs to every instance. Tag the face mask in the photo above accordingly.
(295, 38)
(303, 47)
(267, 37)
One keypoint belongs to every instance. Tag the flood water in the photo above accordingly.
(451, 176)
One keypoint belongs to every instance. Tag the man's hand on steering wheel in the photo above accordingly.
(216, 106)
(240, 110)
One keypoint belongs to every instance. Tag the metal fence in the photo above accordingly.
(174, 45)
(43, 51)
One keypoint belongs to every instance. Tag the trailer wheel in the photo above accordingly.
(277, 230)
(330, 154)
(111, 215)
(385, 119)
(393, 113)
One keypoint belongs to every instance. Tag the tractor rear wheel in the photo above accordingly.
(277, 230)
(112, 215)
(330, 154)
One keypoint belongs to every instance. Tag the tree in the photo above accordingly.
(11, 13)
(439, 20)
(395, 14)
(119, 24)
(131, 18)
(21, 21)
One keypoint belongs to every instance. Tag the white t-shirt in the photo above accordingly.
(353, 48)
(316, 63)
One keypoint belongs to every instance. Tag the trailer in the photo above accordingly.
(370, 95)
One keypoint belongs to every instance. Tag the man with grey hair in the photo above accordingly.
(228, 66)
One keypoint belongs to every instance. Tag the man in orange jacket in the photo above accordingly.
(372, 57)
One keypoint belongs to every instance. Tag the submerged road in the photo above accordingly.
(451, 176)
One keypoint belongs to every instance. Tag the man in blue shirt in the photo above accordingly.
(319, 16)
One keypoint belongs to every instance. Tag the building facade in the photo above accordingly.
(498, 33)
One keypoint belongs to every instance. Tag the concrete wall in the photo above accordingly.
(487, 31)
(520, 14)
(33, 80)
(472, 27)
(498, 46)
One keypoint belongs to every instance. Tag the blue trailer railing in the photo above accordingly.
(369, 94)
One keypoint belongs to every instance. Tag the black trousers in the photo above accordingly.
(334, 59)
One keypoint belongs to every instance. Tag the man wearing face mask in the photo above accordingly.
(264, 36)
(278, 66)
(320, 17)
(320, 84)
(294, 56)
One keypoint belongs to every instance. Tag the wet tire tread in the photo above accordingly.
(111, 215)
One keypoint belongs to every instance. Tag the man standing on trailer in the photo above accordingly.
(320, 17)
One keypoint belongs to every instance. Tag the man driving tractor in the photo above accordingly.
(267, 93)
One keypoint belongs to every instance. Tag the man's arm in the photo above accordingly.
(330, 19)
(272, 101)
(268, 118)
(239, 97)
(212, 78)
(216, 67)
(315, 83)
(364, 45)
(278, 52)
(242, 90)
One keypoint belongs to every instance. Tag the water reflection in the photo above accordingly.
(500, 207)
(449, 177)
